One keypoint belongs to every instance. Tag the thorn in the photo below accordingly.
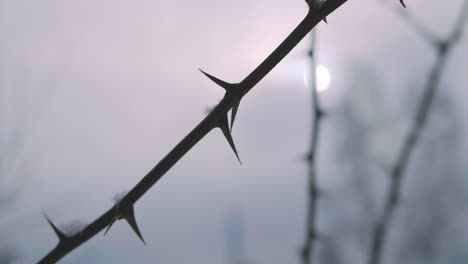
(319, 113)
(304, 252)
(227, 86)
(130, 217)
(227, 134)
(314, 192)
(60, 234)
(403, 3)
(325, 20)
(107, 229)
(234, 109)
(319, 193)
(314, 235)
(311, 235)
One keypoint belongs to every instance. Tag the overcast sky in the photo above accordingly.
(106, 88)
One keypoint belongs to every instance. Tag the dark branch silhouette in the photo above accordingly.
(443, 48)
(216, 118)
(311, 233)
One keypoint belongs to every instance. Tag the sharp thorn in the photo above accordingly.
(57, 231)
(325, 20)
(227, 134)
(403, 3)
(227, 86)
(234, 109)
(130, 217)
(107, 229)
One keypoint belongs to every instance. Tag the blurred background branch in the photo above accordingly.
(118, 78)
(442, 49)
(311, 234)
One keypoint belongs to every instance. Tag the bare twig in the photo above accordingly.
(312, 190)
(216, 118)
(443, 49)
(418, 27)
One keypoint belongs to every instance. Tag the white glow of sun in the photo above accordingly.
(323, 78)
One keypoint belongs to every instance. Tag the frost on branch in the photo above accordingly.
(209, 109)
(127, 213)
(62, 237)
(67, 230)
(73, 227)
(315, 3)
(119, 196)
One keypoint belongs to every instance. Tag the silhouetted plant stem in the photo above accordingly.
(216, 118)
(443, 49)
(312, 190)
(418, 27)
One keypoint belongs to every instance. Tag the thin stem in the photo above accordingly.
(312, 190)
(443, 50)
(419, 28)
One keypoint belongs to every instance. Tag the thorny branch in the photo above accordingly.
(443, 49)
(216, 119)
(313, 192)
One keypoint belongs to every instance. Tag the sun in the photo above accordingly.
(323, 78)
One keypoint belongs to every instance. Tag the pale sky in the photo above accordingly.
(113, 85)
